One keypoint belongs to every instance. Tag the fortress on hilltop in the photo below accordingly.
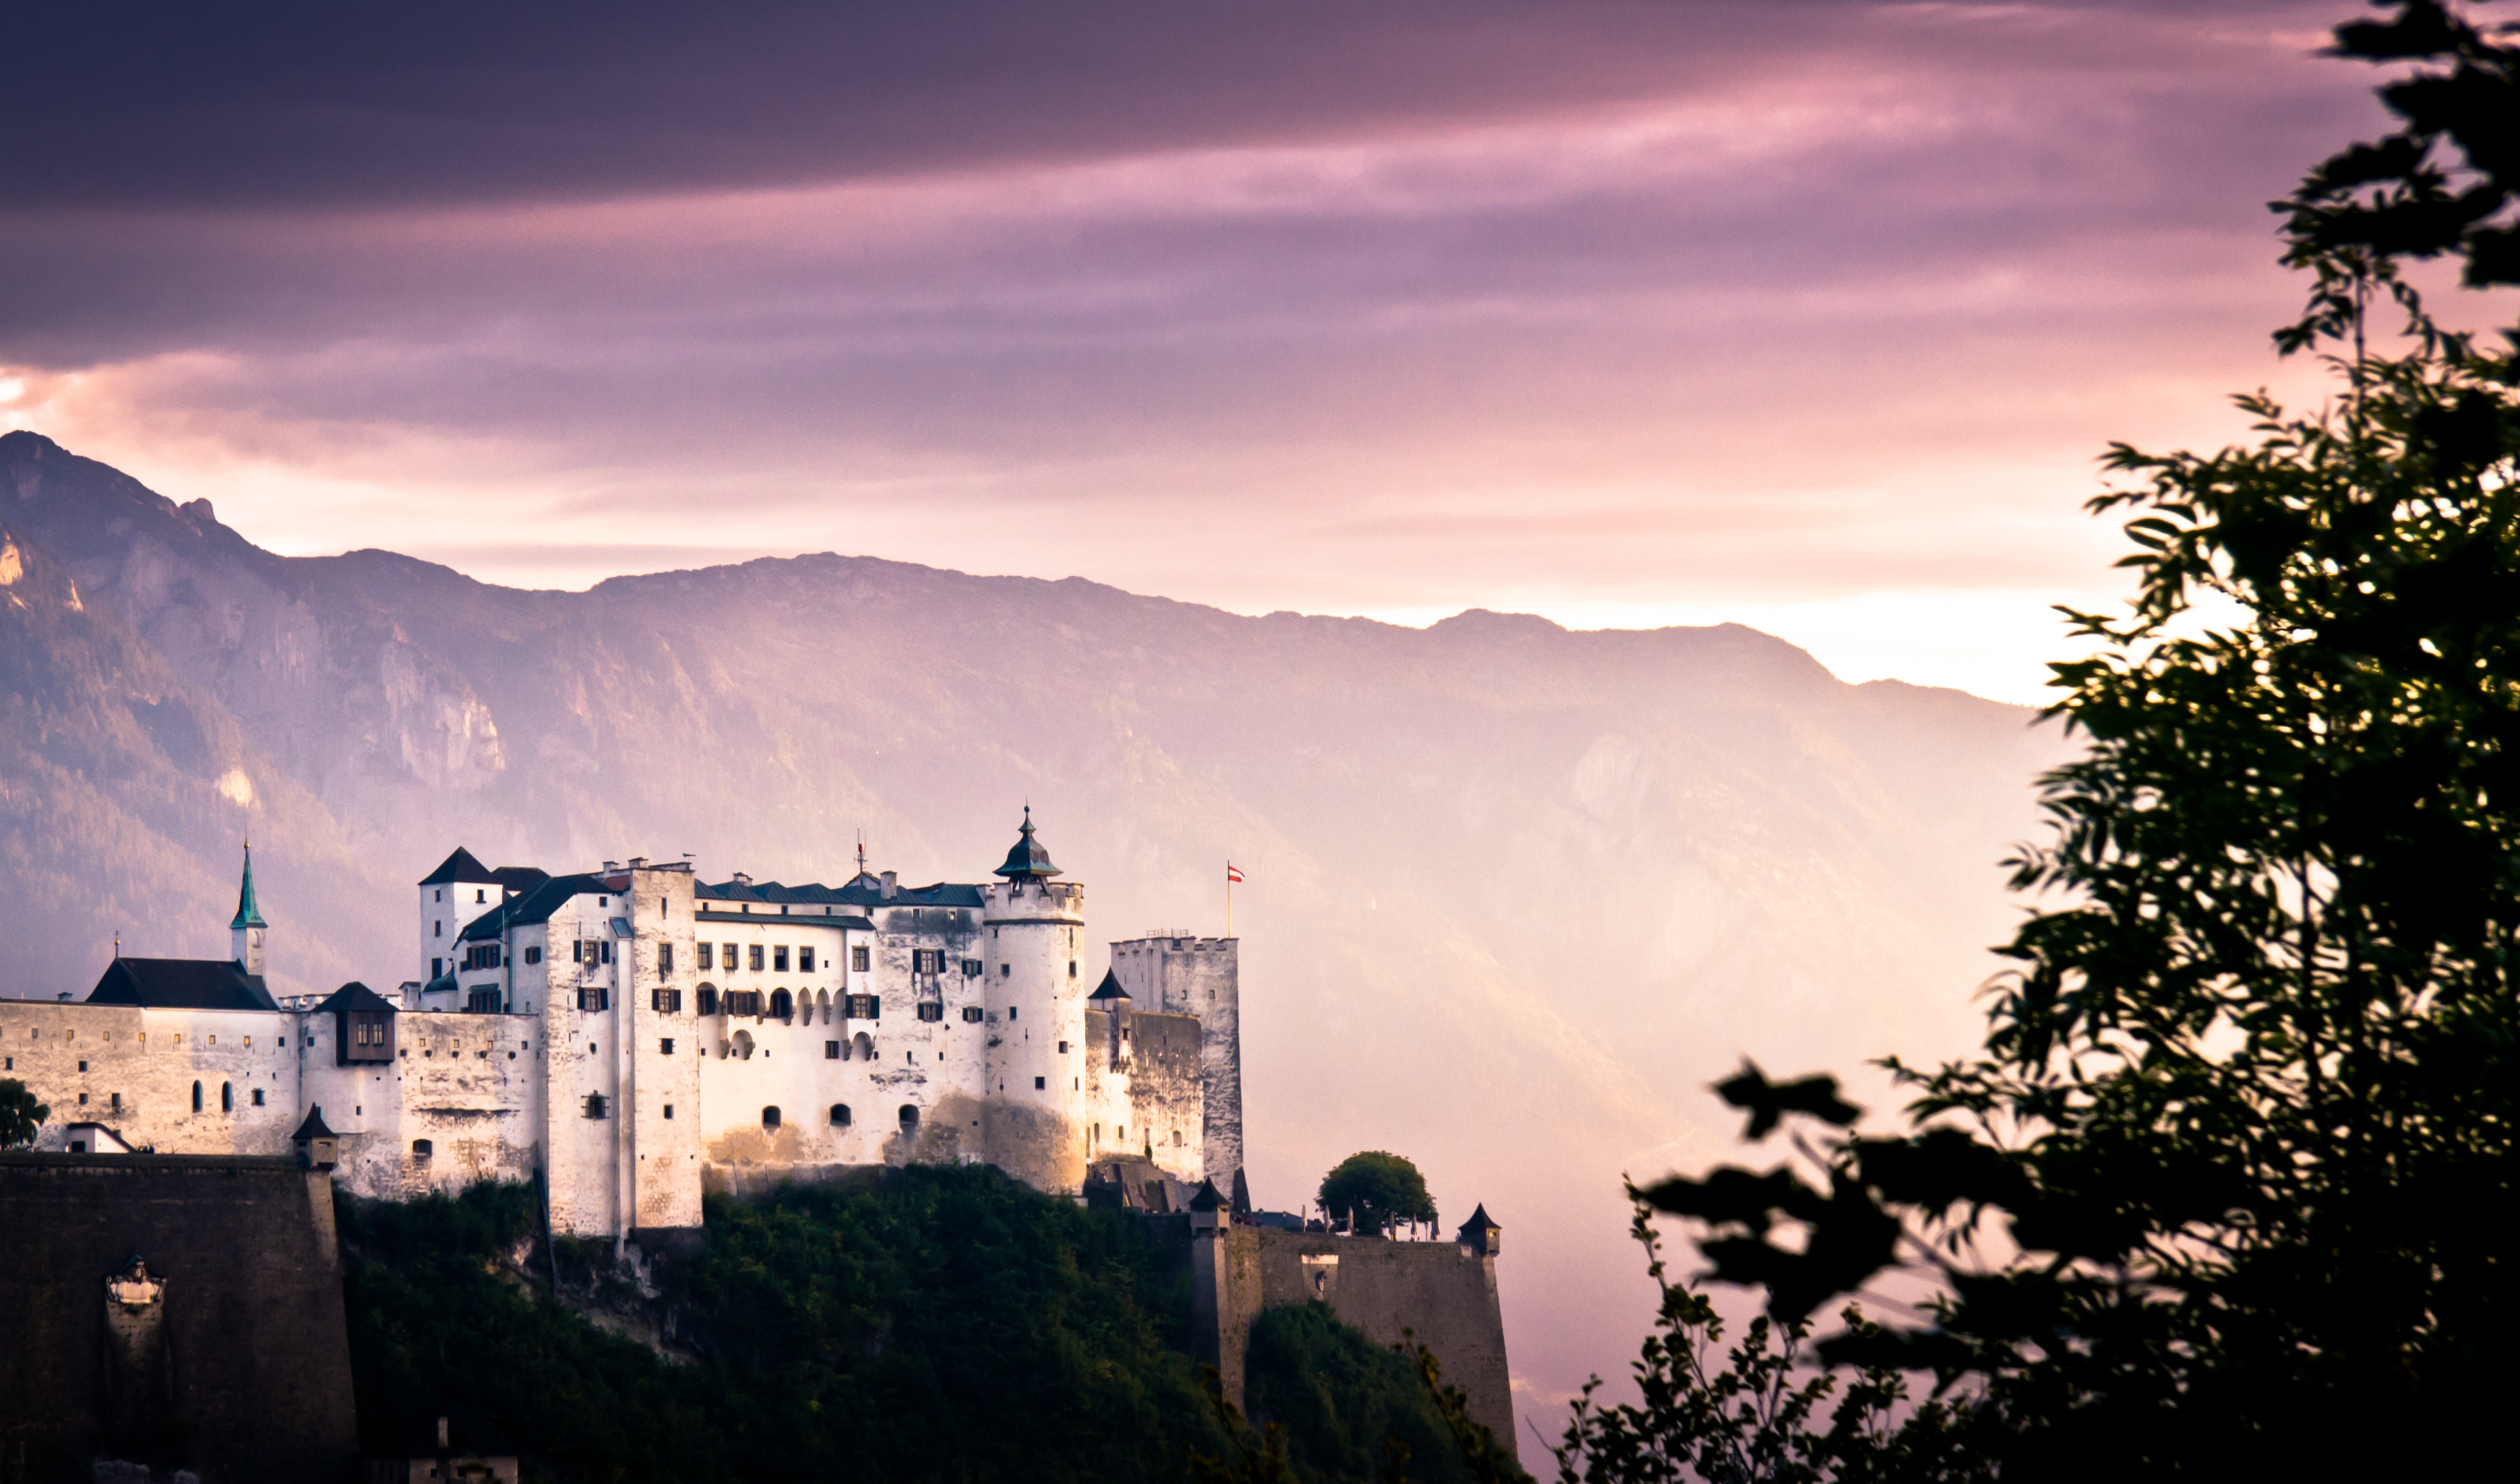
(637, 1035)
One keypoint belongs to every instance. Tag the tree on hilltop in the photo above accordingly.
(2229, 1189)
(1376, 1190)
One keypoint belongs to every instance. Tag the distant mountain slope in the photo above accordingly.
(1516, 894)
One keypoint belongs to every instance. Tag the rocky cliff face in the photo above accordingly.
(1516, 894)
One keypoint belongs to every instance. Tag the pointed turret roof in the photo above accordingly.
(1109, 989)
(249, 911)
(313, 1127)
(1478, 1224)
(462, 866)
(1029, 857)
(1207, 1198)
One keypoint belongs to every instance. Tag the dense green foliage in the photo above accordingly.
(1376, 1190)
(2228, 1191)
(946, 1325)
(22, 1118)
(1344, 1401)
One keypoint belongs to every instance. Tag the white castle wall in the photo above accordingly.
(1012, 1069)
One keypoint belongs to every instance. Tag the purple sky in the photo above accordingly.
(1812, 316)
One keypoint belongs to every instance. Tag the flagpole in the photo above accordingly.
(1229, 899)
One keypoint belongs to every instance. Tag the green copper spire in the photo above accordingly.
(248, 914)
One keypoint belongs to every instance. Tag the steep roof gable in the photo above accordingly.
(181, 985)
(462, 867)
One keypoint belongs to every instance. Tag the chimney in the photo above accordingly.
(611, 865)
(891, 889)
(638, 863)
(740, 879)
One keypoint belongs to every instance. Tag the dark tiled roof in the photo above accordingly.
(1208, 1199)
(862, 891)
(535, 906)
(313, 1127)
(459, 867)
(1478, 1223)
(1029, 857)
(181, 985)
(520, 880)
(357, 996)
(1109, 988)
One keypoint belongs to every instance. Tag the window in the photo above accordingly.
(708, 998)
(669, 1112)
(437, 968)
(1039, 1084)
(753, 959)
(770, 1119)
(595, 1104)
(480, 894)
(664, 958)
(840, 1115)
(782, 1006)
(197, 1097)
(1005, 971)
(779, 958)
(1071, 968)
(831, 1051)
(909, 1117)
(607, 946)
(482, 1000)
(258, 1096)
(741, 1001)
(1011, 1011)
(420, 1149)
(1177, 1139)
(83, 1066)
(725, 957)
(440, 895)
(971, 969)
(594, 997)
(227, 1097)
(1062, 1048)
(534, 953)
(118, 1101)
(970, 1014)
(705, 954)
(930, 1009)
(858, 959)
(866, 1007)
(665, 1045)
(804, 960)
(665, 1002)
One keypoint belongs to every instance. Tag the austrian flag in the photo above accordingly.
(1230, 874)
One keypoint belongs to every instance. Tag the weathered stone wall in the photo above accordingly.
(248, 1375)
(1151, 1102)
(1443, 1291)
(1201, 977)
(134, 1071)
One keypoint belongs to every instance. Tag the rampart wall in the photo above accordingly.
(1444, 1292)
(239, 1368)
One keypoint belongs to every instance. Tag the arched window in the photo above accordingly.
(707, 996)
(822, 1006)
(909, 1117)
(227, 1097)
(864, 1045)
(197, 1097)
(743, 1045)
(840, 1115)
(420, 1149)
(594, 1105)
(782, 1006)
(770, 1119)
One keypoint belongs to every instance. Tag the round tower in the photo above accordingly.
(1035, 1060)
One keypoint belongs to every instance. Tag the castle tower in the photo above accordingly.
(1203, 977)
(1035, 1061)
(458, 891)
(245, 934)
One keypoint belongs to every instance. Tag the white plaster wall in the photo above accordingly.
(151, 1060)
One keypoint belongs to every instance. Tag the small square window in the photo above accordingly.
(831, 1051)
(1040, 1083)
(665, 1045)
(83, 1066)
(779, 959)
